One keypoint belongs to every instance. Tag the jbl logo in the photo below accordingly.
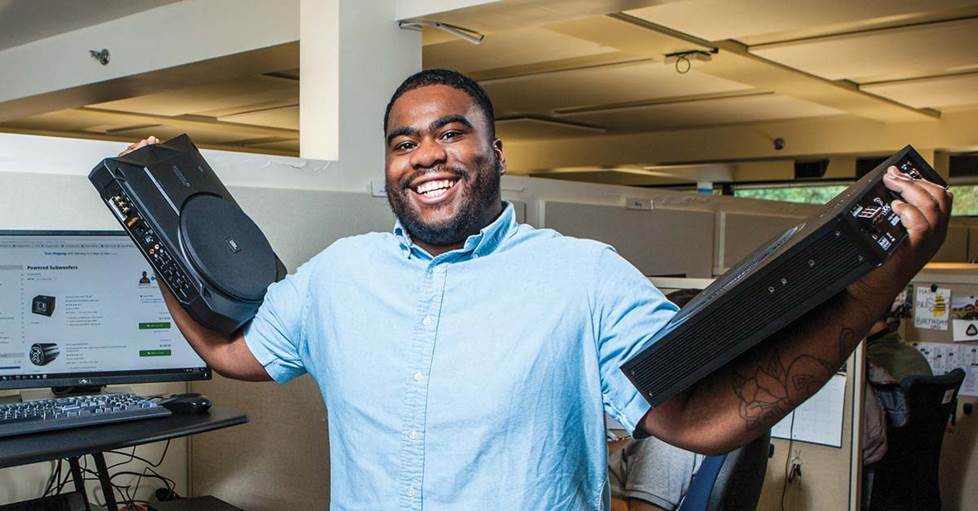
(233, 245)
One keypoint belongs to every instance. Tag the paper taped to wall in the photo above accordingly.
(964, 330)
(931, 307)
(818, 420)
(943, 358)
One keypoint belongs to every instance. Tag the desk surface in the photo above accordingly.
(32, 448)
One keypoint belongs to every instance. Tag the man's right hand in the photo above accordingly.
(142, 143)
(228, 355)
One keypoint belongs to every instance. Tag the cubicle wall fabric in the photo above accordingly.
(659, 242)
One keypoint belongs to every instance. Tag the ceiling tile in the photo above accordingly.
(603, 85)
(134, 127)
(945, 91)
(922, 50)
(716, 20)
(287, 118)
(530, 129)
(712, 112)
(508, 48)
(285, 146)
(227, 96)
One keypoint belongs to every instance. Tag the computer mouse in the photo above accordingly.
(187, 403)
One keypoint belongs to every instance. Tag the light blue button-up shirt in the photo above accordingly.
(474, 380)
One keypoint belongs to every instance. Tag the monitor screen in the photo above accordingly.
(84, 308)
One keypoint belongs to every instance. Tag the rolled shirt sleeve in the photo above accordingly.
(277, 333)
(658, 473)
(629, 312)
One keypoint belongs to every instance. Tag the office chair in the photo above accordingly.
(907, 476)
(730, 481)
(698, 496)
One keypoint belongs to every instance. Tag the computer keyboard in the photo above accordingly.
(75, 412)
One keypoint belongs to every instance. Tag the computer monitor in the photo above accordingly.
(83, 308)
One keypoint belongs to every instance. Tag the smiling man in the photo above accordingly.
(467, 360)
(443, 160)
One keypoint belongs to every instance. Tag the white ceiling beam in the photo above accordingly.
(494, 15)
(655, 174)
(412, 9)
(695, 172)
(733, 62)
(618, 176)
(955, 131)
(178, 34)
(191, 122)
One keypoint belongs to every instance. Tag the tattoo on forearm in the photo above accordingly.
(775, 388)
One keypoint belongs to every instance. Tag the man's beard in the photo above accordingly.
(483, 194)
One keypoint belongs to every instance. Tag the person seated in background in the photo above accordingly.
(891, 360)
(888, 361)
(652, 475)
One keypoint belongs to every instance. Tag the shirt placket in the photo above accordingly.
(416, 397)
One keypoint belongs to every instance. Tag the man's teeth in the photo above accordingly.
(435, 188)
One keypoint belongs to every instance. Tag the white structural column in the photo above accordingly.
(319, 78)
(353, 56)
(375, 56)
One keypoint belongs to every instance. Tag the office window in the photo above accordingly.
(808, 194)
(965, 196)
(965, 200)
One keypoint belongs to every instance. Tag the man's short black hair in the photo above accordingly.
(452, 79)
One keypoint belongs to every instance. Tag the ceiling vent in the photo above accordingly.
(866, 165)
(963, 165)
(811, 169)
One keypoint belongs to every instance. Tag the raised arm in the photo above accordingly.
(228, 355)
(740, 401)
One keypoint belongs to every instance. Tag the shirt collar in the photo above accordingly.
(486, 241)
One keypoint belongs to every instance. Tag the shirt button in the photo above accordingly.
(418, 376)
(426, 321)
(411, 492)
(413, 435)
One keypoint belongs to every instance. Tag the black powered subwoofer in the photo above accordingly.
(43, 353)
(785, 278)
(43, 305)
(213, 257)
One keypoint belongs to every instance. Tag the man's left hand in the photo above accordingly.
(924, 209)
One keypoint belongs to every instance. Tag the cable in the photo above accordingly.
(115, 488)
(169, 483)
(54, 476)
(129, 497)
(132, 456)
(128, 492)
(787, 461)
(125, 489)
(67, 476)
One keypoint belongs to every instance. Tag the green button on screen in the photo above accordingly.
(160, 325)
(155, 353)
